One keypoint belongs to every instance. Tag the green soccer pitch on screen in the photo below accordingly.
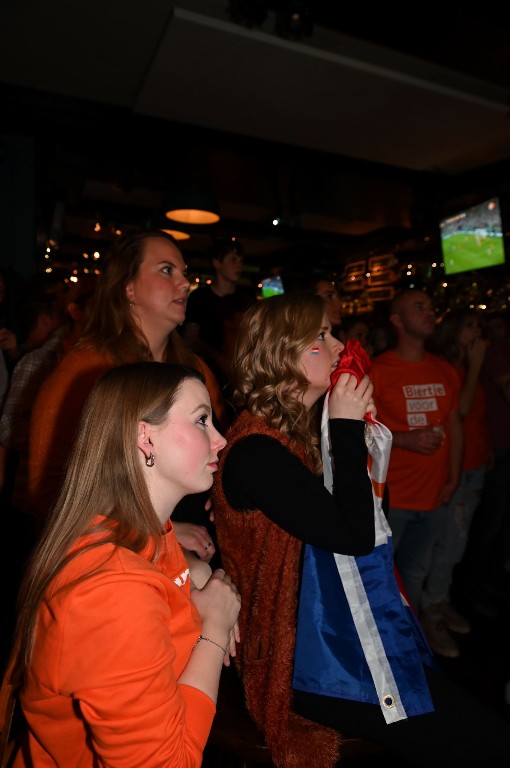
(271, 286)
(473, 238)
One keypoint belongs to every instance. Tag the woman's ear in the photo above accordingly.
(144, 438)
(130, 292)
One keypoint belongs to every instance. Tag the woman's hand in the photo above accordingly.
(371, 408)
(219, 604)
(195, 538)
(200, 572)
(350, 400)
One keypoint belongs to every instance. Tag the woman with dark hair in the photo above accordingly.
(119, 644)
(329, 644)
(140, 300)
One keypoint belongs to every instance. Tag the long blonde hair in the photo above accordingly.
(266, 374)
(103, 477)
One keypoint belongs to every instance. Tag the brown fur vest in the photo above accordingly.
(264, 563)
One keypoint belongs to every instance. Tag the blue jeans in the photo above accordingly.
(414, 538)
(452, 542)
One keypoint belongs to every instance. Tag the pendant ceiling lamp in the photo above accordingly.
(177, 234)
(174, 229)
(192, 206)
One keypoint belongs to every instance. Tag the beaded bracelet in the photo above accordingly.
(208, 640)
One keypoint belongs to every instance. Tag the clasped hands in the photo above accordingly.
(218, 601)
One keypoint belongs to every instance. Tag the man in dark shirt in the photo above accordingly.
(214, 311)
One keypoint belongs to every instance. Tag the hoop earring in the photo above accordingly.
(149, 460)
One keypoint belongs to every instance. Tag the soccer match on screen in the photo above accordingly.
(473, 238)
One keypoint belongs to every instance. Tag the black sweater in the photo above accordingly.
(260, 473)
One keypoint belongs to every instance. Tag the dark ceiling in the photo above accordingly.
(357, 136)
(457, 38)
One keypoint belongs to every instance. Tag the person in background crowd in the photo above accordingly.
(27, 378)
(24, 332)
(210, 306)
(12, 291)
(139, 301)
(458, 339)
(271, 504)
(44, 324)
(325, 287)
(4, 378)
(45, 329)
(496, 325)
(120, 642)
(381, 335)
(417, 396)
(357, 327)
(486, 564)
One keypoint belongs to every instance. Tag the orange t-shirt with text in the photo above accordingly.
(412, 395)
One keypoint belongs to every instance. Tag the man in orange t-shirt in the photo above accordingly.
(416, 394)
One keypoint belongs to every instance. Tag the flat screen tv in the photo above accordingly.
(473, 238)
(271, 286)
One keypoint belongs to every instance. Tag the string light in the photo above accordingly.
(469, 290)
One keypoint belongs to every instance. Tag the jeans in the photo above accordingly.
(414, 538)
(453, 538)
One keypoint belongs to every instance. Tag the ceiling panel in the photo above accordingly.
(189, 63)
(332, 94)
(330, 132)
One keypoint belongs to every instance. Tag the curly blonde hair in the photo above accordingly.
(266, 374)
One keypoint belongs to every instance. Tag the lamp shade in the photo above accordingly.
(177, 234)
(192, 206)
(175, 230)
